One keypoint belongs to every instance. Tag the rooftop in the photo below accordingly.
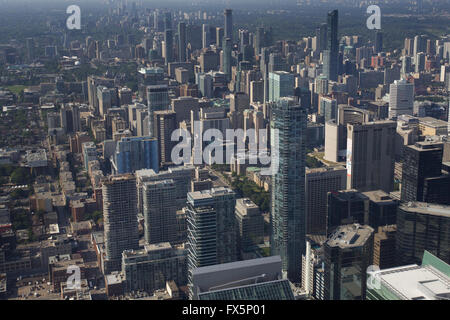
(349, 236)
(426, 208)
(415, 282)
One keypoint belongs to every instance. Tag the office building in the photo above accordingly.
(165, 124)
(182, 44)
(401, 98)
(135, 153)
(160, 209)
(281, 84)
(384, 255)
(345, 207)
(211, 228)
(422, 177)
(157, 100)
(318, 183)
(422, 226)
(148, 269)
(168, 46)
(331, 55)
(228, 26)
(226, 68)
(371, 155)
(250, 224)
(120, 219)
(288, 185)
(348, 253)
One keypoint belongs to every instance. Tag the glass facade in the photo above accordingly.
(419, 231)
(288, 186)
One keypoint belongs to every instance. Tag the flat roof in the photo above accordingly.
(236, 265)
(415, 282)
(351, 235)
(426, 208)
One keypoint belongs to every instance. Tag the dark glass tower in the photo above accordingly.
(332, 52)
(182, 42)
(378, 42)
(228, 14)
(168, 43)
(288, 185)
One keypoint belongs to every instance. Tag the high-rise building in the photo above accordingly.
(348, 253)
(378, 42)
(181, 175)
(371, 155)
(318, 183)
(206, 36)
(219, 37)
(165, 124)
(70, 118)
(211, 229)
(182, 42)
(422, 226)
(149, 269)
(160, 209)
(422, 177)
(226, 68)
(281, 84)
(331, 55)
(384, 255)
(120, 219)
(250, 224)
(345, 207)
(157, 100)
(321, 34)
(288, 133)
(401, 98)
(135, 153)
(228, 28)
(168, 44)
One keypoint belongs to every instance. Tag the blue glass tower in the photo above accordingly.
(288, 218)
(135, 153)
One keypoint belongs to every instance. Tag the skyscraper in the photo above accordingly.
(228, 15)
(281, 84)
(422, 178)
(160, 209)
(348, 253)
(120, 219)
(321, 34)
(288, 185)
(422, 226)
(371, 155)
(331, 55)
(182, 42)
(401, 98)
(211, 229)
(168, 43)
(206, 36)
(157, 100)
(135, 153)
(227, 57)
(378, 42)
(319, 182)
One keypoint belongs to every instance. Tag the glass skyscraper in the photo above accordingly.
(330, 56)
(288, 185)
(135, 153)
(281, 84)
(211, 228)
